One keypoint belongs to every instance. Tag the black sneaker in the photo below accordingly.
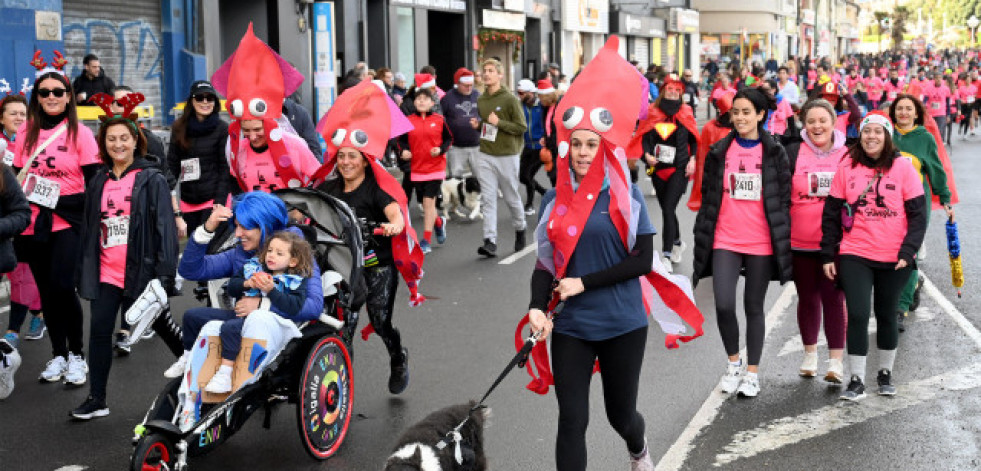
(399, 378)
(91, 408)
(489, 249)
(519, 240)
(122, 344)
(915, 303)
(885, 383)
(855, 390)
(901, 321)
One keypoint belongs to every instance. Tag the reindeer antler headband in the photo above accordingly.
(57, 65)
(129, 102)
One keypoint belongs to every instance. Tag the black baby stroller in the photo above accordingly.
(312, 371)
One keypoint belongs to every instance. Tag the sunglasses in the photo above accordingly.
(45, 92)
(202, 97)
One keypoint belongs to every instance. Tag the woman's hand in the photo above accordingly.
(181, 227)
(830, 271)
(569, 287)
(390, 229)
(245, 306)
(901, 264)
(540, 323)
(219, 214)
(690, 168)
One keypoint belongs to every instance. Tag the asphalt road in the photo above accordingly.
(461, 339)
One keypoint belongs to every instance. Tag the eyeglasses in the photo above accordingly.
(57, 92)
(202, 97)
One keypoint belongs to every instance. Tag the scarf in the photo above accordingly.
(196, 128)
(670, 107)
(284, 282)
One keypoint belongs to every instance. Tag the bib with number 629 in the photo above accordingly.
(819, 183)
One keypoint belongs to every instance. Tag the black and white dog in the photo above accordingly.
(418, 448)
(462, 196)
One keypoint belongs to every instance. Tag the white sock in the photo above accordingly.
(750, 375)
(738, 362)
(856, 363)
(225, 370)
(886, 359)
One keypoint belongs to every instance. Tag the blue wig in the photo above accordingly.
(260, 210)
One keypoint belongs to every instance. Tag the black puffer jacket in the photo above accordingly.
(15, 215)
(215, 182)
(776, 203)
(152, 242)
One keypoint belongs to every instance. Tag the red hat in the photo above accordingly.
(425, 81)
(724, 102)
(672, 81)
(365, 118)
(829, 89)
(545, 86)
(462, 72)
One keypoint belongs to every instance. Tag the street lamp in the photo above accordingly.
(973, 23)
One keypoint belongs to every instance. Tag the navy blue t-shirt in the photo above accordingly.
(609, 311)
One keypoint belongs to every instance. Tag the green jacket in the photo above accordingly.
(919, 146)
(511, 123)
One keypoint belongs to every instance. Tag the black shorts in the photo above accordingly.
(428, 189)
(976, 106)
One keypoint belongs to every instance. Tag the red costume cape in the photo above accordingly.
(931, 126)
(712, 132)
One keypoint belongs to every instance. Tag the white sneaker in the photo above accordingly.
(730, 382)
(750, 385)
(77, 370)
(177, 369)
(9, 362)
(808, 368)
(220, 383)
(653, 192)
(54, 370)
(677, 251)
(667, 264)
(642, 463)
(836, 371)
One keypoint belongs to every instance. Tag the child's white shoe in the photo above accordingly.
(177, 369)
(221, 382)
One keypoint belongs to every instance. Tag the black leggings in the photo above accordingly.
(864, 288)
(726, 266)
(669, 194)
(382, 283)
(105, 308)
(53, 264)
(620, 360)
(18, 313)
(529, 165)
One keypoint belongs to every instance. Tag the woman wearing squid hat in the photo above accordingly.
(264, 152)
(596, 244)
(357, 129)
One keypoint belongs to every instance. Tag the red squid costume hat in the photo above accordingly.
(255, 81)
(607, 98)
(365, 118)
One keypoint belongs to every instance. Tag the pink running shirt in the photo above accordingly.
(742, 225)
(810, 185)
(258, 170)
(117, 195)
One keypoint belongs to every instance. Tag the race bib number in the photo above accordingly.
(745, 186)
(488, 132)
(892, 95)
(41, 191)
(935, 105)
(819, 183)
(115, 231)
(190, 169)
(664, 154)
(970, 100)
(8, 158)
(686, 98)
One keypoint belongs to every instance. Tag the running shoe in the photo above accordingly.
(679, 248)
(855, 390)
(425, 246)
(642, 462)
(440, 231)
(54, 370)
(915, 303)
(749, 386)
(885, 383)
(92, 407)
(36, 329)
(77, 371)
(177, 369)
(809, 367)
(519, 240)
(122, 345)
(836, 371)
(489, 249)
(12, 339)
(730, 382)
(529, 211)
(398, 380)
(9, 362)
(220, 383)
(666, 261)
(901, 321)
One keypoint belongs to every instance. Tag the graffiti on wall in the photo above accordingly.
(130, 51)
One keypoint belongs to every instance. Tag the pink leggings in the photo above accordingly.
(814, 292)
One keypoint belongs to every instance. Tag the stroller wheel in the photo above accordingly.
(154, 452)
(326, 395)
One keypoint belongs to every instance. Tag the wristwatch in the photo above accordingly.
(178, 214)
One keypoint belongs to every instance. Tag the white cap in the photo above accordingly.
(525, 85)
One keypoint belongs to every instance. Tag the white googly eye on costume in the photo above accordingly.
(563, 149)
(338, 138)
(572, 117)
(359, 138)
(601, 118)
(235, 107)
(257, 107)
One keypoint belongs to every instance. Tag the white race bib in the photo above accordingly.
(8, 158)
(190, 169)
(892, 95)
(664, 154)
(745, 186)
(935, 105)
(488, 132)
(819, 183)
(686, 98)
(115, 231)
(970, 100)
(41, 191)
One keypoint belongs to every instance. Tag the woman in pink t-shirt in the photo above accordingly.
(744, 224)
(55, 185)
(876, 238)
(129, 237)
(814, 162)
(966, 95)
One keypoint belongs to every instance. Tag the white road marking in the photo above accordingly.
(530, 248)
(794, 345)
(675, 457)
(74, 467)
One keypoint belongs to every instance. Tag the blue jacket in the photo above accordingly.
(535, 117)
(196, 265)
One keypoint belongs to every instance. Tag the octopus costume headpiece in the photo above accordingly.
(255, 81)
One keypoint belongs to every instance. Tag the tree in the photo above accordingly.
(899, 17)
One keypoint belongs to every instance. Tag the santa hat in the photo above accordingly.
(425, 81)
(255, 80)
(463, 75)
(545, 87)
(877, 117)
(57, 65)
